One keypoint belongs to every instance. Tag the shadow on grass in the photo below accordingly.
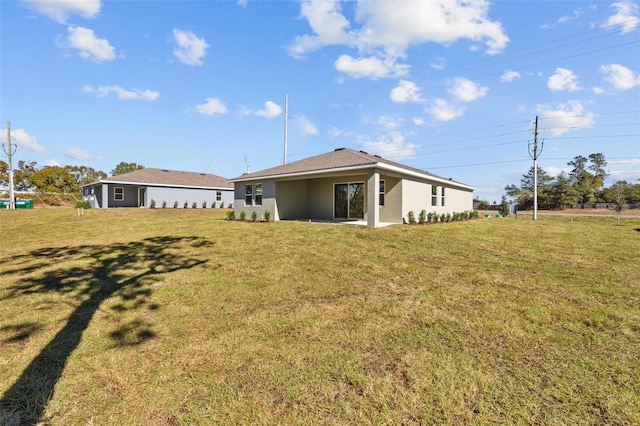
(89, 274)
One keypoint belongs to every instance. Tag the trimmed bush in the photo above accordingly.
(267, 215)
(412, 218)
(186, 205)
(243, 215)
(213, 205)
(204, 204)
(194, 205)
(175, 204)
(231, 215)
(164, 204)
(422, 217)
(254, 216)
(152, 204)
(222, 205)
(83, 204)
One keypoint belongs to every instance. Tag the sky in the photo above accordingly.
(451, 87)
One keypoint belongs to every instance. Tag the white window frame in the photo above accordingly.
(218, 195)
(248, 194)
(434, 195)
(257, 194)
(443, 196)
(382, 191)
(117, 189)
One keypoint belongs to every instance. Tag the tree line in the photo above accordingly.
(584, 184)
(29, 177)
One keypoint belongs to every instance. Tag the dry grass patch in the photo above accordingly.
(139, 316)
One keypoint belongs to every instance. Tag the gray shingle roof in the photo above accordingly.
(341, 158)
(164, 177)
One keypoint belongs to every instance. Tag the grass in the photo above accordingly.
(173, 317)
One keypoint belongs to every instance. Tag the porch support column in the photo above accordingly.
(373, 190)
(105, 196)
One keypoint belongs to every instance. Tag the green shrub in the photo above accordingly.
(164, 204)
(412, 218)
(430, 217)
(267, 215)
(204, 204)
(231, 215)
(186, 205)
(254, 216)
(213, 205)
(422, 217)
(152, 204)
(194, 205)
(222, 205)
(83, 204)
(175, 204)
(448, 217)
(243, 215)
(443, 217)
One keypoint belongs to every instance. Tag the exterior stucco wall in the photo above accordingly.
(268, 200)
(392, 209)
(417, 197)
(189, 195)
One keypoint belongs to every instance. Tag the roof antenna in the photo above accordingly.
(247, 164)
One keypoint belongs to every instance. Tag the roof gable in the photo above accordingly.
(164, 177)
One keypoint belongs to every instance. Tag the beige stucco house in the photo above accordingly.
(347, 185)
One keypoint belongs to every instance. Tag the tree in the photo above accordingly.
(598, 163)
(84, 174)
(619, 200)
(54, 179)
(123, 168)
(4, 173)
(22, 176)
(562, 193)
(584, 183)
(504, 207)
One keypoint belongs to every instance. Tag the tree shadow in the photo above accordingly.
(89, 275)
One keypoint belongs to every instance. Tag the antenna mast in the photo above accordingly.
(286, 125)
(534, 155)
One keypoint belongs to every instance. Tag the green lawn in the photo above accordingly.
(163, 317)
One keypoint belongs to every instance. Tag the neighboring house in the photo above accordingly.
(138, 188)
(348, 185)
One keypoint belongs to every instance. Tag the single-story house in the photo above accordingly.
(175, 188)
(348, 185)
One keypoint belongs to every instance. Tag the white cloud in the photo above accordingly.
(419, 121)
(382, 31)
(242, 3)
(77, 153)
(633, 162)
(51, 163)
(621, 77)
(565, 117)
(466, 90)
(308, 128)
(390, 145)
(438, 63)
(372, 67)
(627, 16)
(508, 76)
(598, 90)
(89, 46)
(190, 49)
(271, 110)
(563, 80)
(24, 140)
(566, 18)
(210, 107)
(60, 10)
(405, 91)
(122, 94)
(442, 110)
(388, 123)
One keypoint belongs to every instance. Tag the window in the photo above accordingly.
(248, 195)
(443, 196)
(381, 191)
(218, 196)
(434, 195)
(118, 193)
(258, 194)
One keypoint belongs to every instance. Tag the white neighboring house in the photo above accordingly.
(138, 188)
(348, 185)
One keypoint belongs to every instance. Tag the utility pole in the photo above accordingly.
(534, 155)
(286, 125)
(12, 198)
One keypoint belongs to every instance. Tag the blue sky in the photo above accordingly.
(450, 87)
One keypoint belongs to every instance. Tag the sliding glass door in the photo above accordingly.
(348, 200)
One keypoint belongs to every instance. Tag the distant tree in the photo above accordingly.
(504, 207)
(586, 184)
(84, 174)
(562, 193)
(518, 195)
(123, 168)
(54, 179)
(22, 175)
(598, 163)
(619, 200)
(4, 173)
